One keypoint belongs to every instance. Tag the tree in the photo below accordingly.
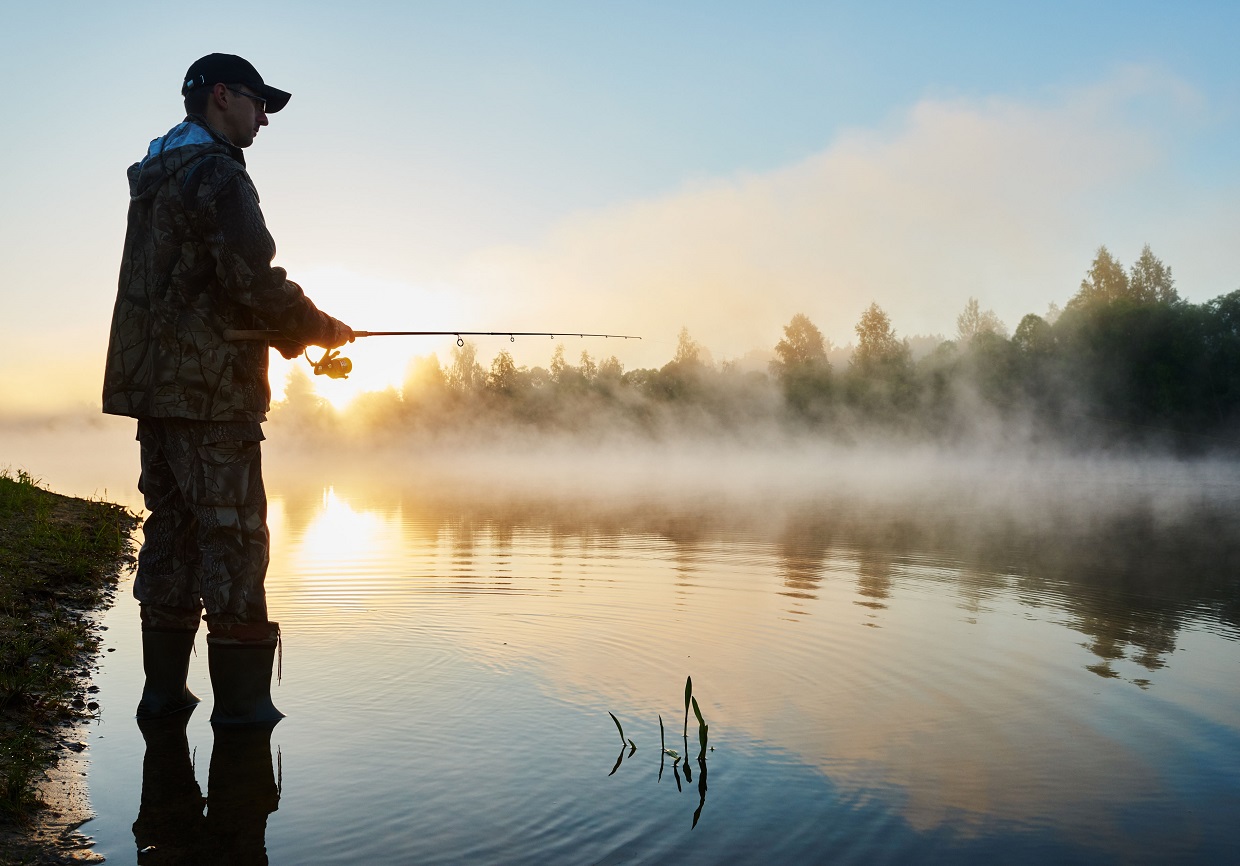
(880, 374)
(1150, 281)
(465, 374)
(877, 345)
(803, 369)
(610, 369)
(1105, 282)
(1033, 336)
(424, 379)
(974, 321)
(588, 368)
(802, 346)
(683, 377)
(558, 367)
(503, 375)
(688, 351)
(564, 374)
(301, 404)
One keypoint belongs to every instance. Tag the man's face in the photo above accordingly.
(243, 114)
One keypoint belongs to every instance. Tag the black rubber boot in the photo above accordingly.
(165, 659)
(241, 678)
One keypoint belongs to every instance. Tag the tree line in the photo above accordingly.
(1127, 361)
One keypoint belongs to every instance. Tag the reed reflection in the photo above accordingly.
(176, 824)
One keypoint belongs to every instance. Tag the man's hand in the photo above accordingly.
(339, 335)
(289, 349)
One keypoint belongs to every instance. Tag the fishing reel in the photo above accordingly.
(331, 365)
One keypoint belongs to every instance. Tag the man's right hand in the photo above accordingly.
(339, 335)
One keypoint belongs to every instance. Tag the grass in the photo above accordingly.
(59, 558)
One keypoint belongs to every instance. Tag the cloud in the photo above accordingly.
(1000, 199)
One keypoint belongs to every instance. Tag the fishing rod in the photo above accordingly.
(335, 367)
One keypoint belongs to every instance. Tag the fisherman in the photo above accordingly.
(197, 261)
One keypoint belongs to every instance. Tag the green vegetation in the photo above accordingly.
(58, 560)
(1126, 362)
(621, 730)
(665, 752)
(688, 697)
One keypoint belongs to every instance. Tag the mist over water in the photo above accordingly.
(765, 478)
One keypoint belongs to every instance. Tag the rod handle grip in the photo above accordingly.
(233, 335)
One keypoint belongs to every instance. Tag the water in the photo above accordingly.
(987, 672)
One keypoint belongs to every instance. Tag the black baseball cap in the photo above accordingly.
(231, 69)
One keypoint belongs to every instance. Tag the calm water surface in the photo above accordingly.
(934, 681)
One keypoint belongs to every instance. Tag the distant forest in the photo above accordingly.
(1127, 362)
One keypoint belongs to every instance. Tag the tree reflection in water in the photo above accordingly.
(1129, 576)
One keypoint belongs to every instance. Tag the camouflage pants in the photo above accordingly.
(205, 541)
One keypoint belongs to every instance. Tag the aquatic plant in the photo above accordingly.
(702, 726)
(621, 730)
(630, 743)
(688, 697)
(691, 702)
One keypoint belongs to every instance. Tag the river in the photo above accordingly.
(900, 658)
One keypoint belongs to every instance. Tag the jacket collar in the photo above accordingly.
(219, 137)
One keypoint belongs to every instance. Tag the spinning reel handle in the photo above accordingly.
(332, 366)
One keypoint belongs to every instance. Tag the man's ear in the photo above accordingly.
(219, 93)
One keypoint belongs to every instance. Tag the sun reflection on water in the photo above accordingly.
(331, 554)
(340, 535)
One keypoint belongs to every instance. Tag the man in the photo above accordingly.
(197, 261)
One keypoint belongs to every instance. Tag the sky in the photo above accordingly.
(631, 167)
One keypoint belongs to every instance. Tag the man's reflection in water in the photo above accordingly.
(169, 823)
(177, 825)
(241, 793)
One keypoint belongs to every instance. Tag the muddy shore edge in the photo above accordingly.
(60, 559)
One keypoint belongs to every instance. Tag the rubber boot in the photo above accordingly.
(241, 675)
(165, 659)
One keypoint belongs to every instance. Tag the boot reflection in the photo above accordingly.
(241, 793)
(170, 820)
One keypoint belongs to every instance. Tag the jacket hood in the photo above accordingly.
(168, 154)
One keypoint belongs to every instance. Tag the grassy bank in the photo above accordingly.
(59, 558)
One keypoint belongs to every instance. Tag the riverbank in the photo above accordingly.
(59, 558)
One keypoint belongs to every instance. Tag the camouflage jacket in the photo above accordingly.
(197, 260)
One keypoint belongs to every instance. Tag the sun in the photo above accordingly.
(371, 303)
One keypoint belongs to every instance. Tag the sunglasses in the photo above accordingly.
(259, 102)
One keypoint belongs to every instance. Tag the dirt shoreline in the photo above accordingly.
(60, 558)
(52, 836)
